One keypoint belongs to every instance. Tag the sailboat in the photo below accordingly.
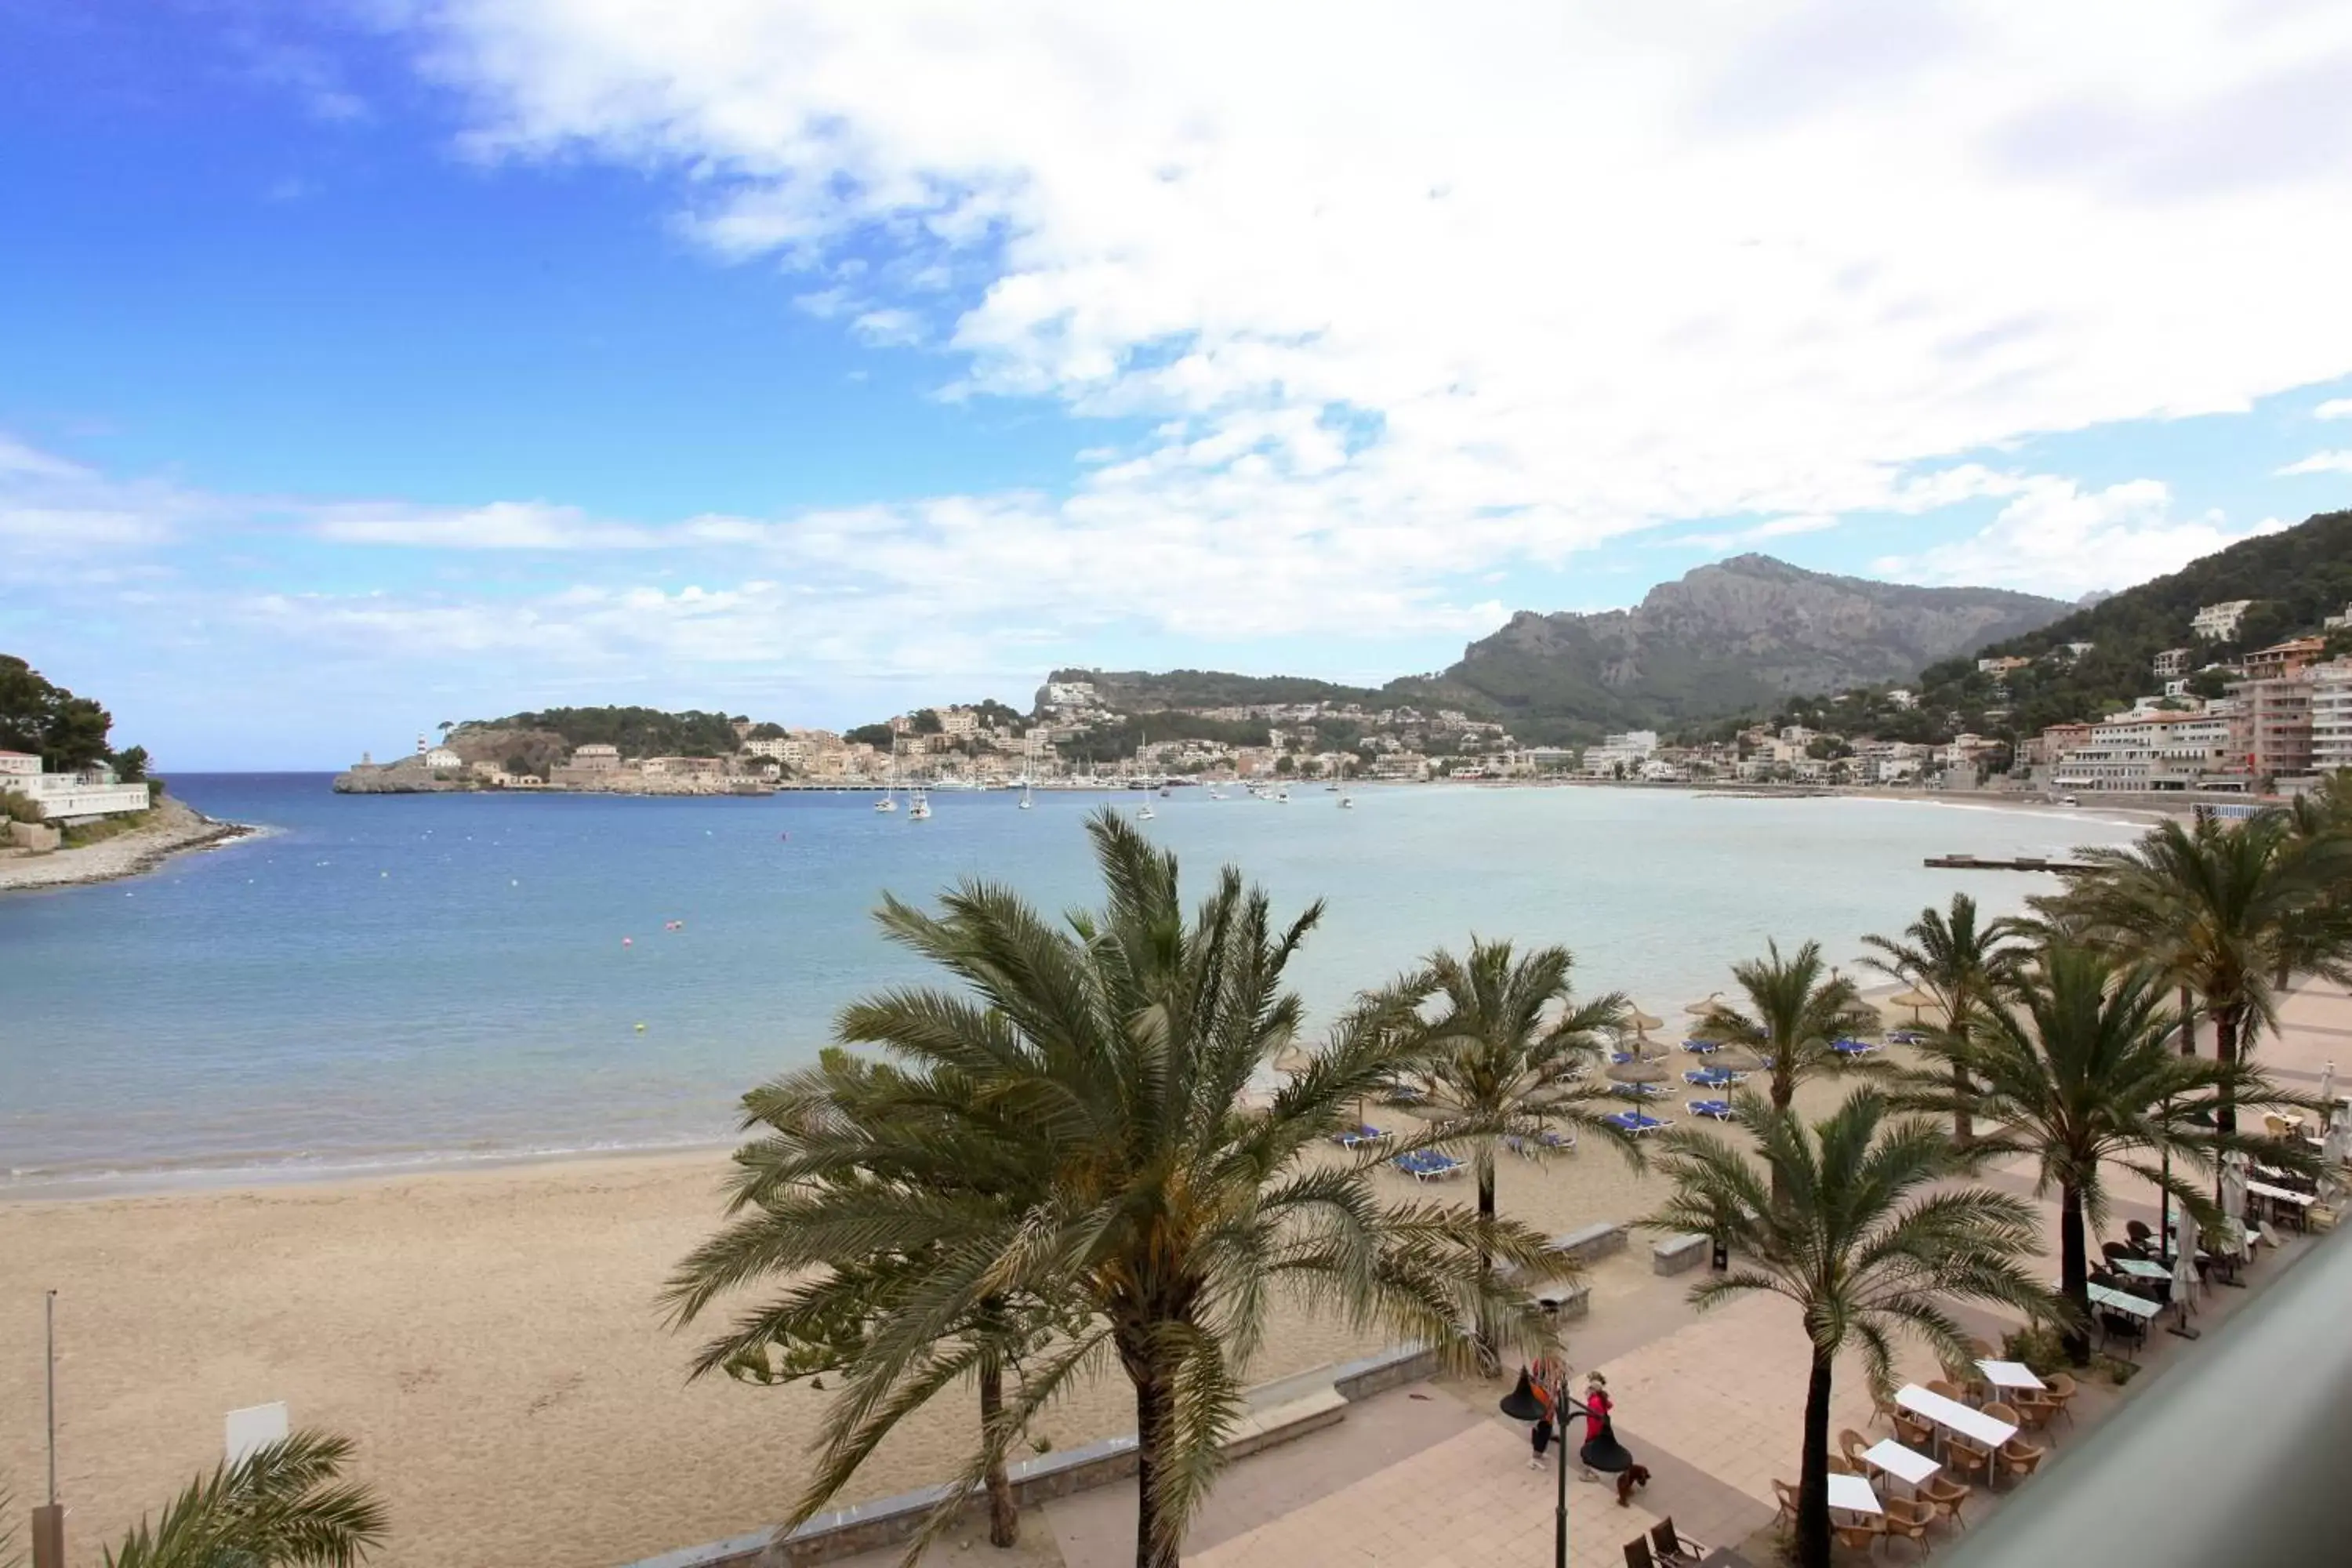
(1144, 812)
(890, 800)
(1346, 800)
(918, 805)
(1024, 792)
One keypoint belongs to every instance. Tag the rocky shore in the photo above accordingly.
(172, 827)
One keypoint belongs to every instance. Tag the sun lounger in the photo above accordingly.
(1635, 1122)
(1550, 1142)
(1427, 1164)
(1638, 1090)
(1714, 1109)
(1853, 1047)
(1714, 1078)
(1702, 1048)
(1904, 1037)
(1358, 1137)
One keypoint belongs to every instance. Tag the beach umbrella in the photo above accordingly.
(2233, 1200)
(2184, 1256)
(1642, 1022)
(1914, 999)
(1293, 1059)
(1636, 1071)
(1701, 1009)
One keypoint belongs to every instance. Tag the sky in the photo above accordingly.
(369, 363)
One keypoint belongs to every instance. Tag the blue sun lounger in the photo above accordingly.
(1702, 1048)
(1427, 1164)
(1904, 1037)
(1637, 1090)
(1714, 1109)
(1533, 1148)
(1635, 1122)
(1853, 1047)
(1358, 1137)
(1714, 1078)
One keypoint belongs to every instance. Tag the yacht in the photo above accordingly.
(918, 805)
(1281, 795)
(1144, 812)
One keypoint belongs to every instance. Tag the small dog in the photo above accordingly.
(1627, 1480)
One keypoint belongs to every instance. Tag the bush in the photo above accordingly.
(14, 807)
(2042, 1348)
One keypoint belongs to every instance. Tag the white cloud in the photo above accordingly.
(2334, 408)
(1762, 534)
(52, 509)
(1517, 279)
(501, 525)
(2056, 538)
(2320, 463)
(890, 327)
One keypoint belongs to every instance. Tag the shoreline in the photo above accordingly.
(181, 830)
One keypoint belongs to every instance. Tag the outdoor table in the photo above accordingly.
(1906, 1465)
(1951, 1415)
(2011, 1375)
(2302, 1201)
(2139, 1307)
(1852, 1495)
(2141, 1269)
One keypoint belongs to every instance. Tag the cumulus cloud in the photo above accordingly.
(2056, 538)
(1762, 534)
(500, 525)
(2334, 408)
(1581, 269)
(2320, 463)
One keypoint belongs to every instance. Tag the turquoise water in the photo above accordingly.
(387, 980)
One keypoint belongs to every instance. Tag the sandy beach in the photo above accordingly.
(492, 1339)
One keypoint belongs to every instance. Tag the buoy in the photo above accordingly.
(641, 1028)
(383, 873)
(628, 941)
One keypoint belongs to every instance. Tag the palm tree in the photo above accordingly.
(2226, 909)
(2078, 1070)
(1155, 1210)
(281, 1506)
(1507, 1051)
(1793, 1013)
(851, 1131)
(1851, 1226)
(1960, 963)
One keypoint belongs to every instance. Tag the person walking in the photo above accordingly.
(1602, 1452)
(1541, 1437)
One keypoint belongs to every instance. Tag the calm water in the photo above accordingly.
(397, 979)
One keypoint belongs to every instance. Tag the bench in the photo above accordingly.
(1679, 1253)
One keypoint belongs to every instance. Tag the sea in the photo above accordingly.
(382, 983)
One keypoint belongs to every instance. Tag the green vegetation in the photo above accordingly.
(2296, 578)
(1134, 690)
(16, 808)
(103, 828)
(638, 732)
(1089, 1073)
(878, 736)
(1507, 1049)
(1853, 1230)
(282, 1506)
(2076, 1067)
(1960, 962)
(1794, 1011)
(67, 732)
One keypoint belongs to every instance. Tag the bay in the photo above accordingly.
(389, 981)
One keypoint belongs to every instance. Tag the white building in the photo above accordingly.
(443, 757)
(959, 723)
(2172, 662)
(1617, 753)
(596, 758)
(2218, 622)
(2141, 752)
(2331, 717)
(90, 793)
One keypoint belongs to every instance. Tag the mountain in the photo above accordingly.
(1147, 691)
(1726, 639)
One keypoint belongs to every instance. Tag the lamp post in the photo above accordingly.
(1522, 1404)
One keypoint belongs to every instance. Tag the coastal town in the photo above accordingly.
(2271, 720)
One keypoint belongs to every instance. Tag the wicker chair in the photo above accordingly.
(2060, 1394)
(1966, 1458)
(2019, 1459)
(1914, 1431)
(1861, 1535)
(1908, 1521)
(1852, 1444)
(1948, 1494)
(1785, 1496)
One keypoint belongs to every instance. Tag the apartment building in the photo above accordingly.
(2218, 622)
(2271, 733)
(2331, 716)
(2171, 664)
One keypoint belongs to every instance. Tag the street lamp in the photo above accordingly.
(1523, 1405)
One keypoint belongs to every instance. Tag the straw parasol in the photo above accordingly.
(1914, 999)
(1638, 1070)
(1701, 1009)
(1642, 1022)
(1293, 1059)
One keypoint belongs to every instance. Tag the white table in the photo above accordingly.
(2125, 1301)
(2011, 1375)
(1853, 1494)
(1951, 1415)
(1906, 1465)
(2141, 1269)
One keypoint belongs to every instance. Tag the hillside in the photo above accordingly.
(1147, 691)
(2296, 578)
(543, 740)
(66, 732)
(1726, 638)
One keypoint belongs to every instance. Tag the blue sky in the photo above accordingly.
(376, 363)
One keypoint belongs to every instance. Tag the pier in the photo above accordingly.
(2021, 863)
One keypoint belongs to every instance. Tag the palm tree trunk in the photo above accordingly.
(2074, 1271)
(2188, 1022)
(1150, 1441)
(1485, 1167)
(1813, 1484)
(1003, 1515)
(2225, 1049)
(1964, 1128)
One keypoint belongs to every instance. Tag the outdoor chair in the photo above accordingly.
(1785, 1496)
(1851, 1445)
(2019, 1458)
(1914, 1431)
(1668, 1547)
(1841, 1464)
(1908, 1521)
(2140, 1235)
(2111, 1250)
(1948, 1494)
(1713, 1110)
(1966, 1458)
(1637, 1553)
(1883, 1408)
(1950, 1390)
(1860, 1536)
(2060, 1394)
